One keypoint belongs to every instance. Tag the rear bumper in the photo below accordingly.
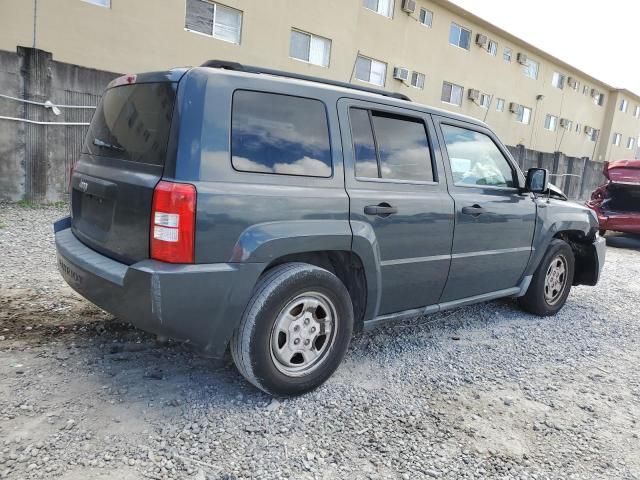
(199, 303)
(626, 222)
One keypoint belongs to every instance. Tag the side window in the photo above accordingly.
(281, 134)
(390, 146)
(475, 159)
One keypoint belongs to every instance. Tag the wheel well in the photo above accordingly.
(586, 262)
(345, 265)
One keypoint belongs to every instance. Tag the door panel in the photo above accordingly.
(412, 220)
(494, 222)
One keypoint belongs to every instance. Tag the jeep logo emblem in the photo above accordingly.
(83, 185)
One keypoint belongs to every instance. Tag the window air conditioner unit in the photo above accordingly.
(401, 73)
(565, 122)
(588, 130)
(594, 93)
(409, 6)
(481, 40)
(514, 107)
(473, 94)
(522, 59)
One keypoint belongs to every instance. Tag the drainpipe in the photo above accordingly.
(35, 18)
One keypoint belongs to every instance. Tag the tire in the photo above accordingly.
(286, 355)
(547, 299)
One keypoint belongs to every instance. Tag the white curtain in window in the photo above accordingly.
(227, 23)
(319, 51)
(378, 72)
(456, 95)
(385, 7)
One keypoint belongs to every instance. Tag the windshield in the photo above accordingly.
(132, 123)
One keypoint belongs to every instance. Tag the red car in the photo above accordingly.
(617, 202)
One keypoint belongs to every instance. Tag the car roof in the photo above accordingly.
(348, 90)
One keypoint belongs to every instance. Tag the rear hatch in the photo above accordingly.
(623, 189)
(123, 159)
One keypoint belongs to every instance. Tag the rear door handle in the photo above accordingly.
(473, 210)
(381, 210)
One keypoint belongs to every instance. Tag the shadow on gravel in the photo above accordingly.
(129, 367)
(624, 240)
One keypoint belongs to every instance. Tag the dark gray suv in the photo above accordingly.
(276, 214)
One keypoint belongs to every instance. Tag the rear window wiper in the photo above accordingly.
(100, 143)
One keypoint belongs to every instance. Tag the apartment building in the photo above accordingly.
(431, 50)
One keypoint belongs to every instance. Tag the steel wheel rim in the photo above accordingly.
(303, 334)
(555, 280)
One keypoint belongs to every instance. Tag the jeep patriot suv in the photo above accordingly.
(275, 214)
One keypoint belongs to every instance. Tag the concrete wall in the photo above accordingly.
(35, 159)
(577, 177)
(141, 35)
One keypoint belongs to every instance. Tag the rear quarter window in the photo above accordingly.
(279, 134)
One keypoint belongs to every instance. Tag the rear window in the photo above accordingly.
(132, 123)
(281, 134)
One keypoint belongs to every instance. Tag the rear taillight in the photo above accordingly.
(173, 221)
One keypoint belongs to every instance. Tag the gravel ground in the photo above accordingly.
(485, 391)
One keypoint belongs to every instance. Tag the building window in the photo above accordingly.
(599, 100)
(426, 17)
(500, 105)
(279, 134)
(370, 70)
(557, 80)
(492, 47)
(550, 122)
(382, 7)
(452, 93)
(631, 143)
(636, 112)
(310, 48)
(213, 19)
(390, 146)
(523, 115)
(507, 54)
(459, 36)
(485, 100)
(100, 3)
(624, 105)
(531, 69)
(594, 135)
(617, 137)
(578, 127)
(585, 90)
(417, 80)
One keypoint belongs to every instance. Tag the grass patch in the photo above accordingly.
(36, 205)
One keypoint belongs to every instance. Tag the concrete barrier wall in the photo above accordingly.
(577, 177)
(35, 159)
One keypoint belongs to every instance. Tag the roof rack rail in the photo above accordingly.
(223, 64)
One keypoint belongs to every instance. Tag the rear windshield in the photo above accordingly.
(132, 123)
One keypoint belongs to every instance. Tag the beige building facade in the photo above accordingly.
(442, 55)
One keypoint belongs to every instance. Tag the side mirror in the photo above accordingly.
(537, 180)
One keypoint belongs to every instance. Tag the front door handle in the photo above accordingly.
(474, 210)
(381, 210)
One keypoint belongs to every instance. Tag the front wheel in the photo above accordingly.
(551, 283)
(295, 330)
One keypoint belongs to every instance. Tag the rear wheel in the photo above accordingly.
(551, 282)
(295, 330)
